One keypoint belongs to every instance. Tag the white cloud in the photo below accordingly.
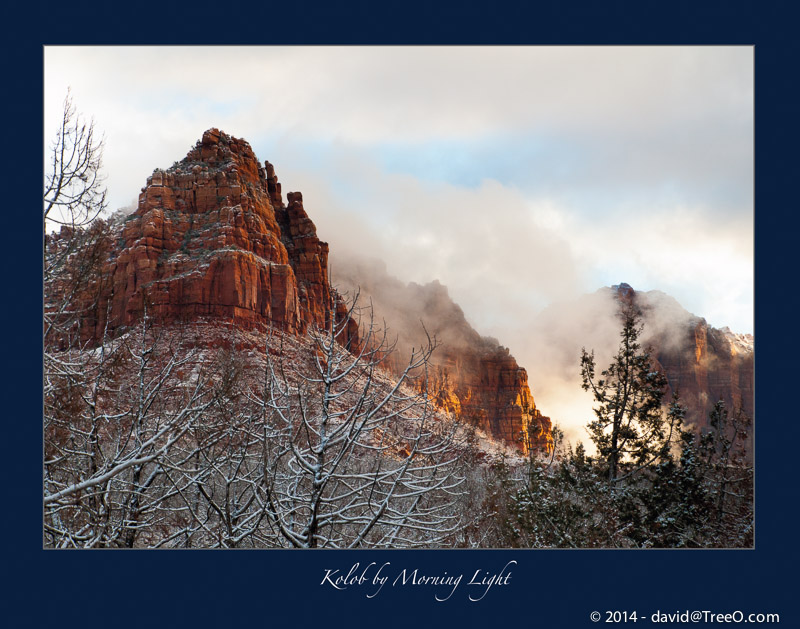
(649, 114)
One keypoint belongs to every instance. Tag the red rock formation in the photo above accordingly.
(211, 238)
(703, 364)
(711, 366)
(484, 385)
(471, 376)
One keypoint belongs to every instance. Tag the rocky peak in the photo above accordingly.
(273, 186)
(211, 238)
(623, 290)
(740, 343)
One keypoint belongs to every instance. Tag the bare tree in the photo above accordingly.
(220, 473)
(74, 194)
(72, 275)
(116, 418)
(353, 458)
(159, 446)
(74, 197)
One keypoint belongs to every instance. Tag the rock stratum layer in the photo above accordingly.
(211, 238)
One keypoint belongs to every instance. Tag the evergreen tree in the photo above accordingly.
(630, 429)
(676, 500)
(728, 476)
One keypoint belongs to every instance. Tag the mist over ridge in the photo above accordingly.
(683, 345)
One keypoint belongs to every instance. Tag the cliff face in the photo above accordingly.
(702, 363)
(714, 365)
(212, 239)
(471, 376)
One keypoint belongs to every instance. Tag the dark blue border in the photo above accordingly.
(548, 589)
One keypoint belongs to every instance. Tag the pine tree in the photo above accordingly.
(630, 429)
(676, 499)
(728, 476)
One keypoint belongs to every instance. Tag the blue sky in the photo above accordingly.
(517, 176)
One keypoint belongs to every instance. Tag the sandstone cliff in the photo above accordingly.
(211, 237)
(702, 363)
(472, 376)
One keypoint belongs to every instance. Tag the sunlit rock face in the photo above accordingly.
(471, 376)
(213, 239)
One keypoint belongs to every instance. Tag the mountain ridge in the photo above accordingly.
(212, 238)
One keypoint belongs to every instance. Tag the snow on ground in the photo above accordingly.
(295, 354)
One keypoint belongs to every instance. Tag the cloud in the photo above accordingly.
(605, 119)
(705, 262)
(496, 250)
